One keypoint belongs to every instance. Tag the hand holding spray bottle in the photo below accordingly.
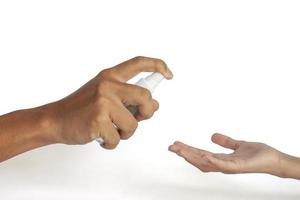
(150, 83)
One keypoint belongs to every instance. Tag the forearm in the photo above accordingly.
(289, 166)
(23, 130)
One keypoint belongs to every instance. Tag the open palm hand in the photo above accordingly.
(247, 157)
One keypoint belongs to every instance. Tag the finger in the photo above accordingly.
(221, 165)
(225, 141)
(137, 96)
(145, 111)
(155, 105)
(124, 120)
(132, 67)
(139, 116)
(193, 157)
(196, 150)
(110, 135)
(132, 94)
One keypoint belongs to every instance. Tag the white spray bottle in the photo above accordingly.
(150, 83)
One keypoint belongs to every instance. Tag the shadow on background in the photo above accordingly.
(174, 191)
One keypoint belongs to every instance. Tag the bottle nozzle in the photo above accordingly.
(151, 81)
(154, 78)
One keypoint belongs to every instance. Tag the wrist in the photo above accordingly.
(272, 161)
(289, 166)
(47, 123)
(280, 168)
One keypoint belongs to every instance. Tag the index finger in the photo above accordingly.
(128, 69)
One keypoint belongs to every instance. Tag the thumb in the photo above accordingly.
(225, 141)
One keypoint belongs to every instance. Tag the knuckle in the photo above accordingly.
(92, 135)
(114, 143)
(100, 118)
(103, 87)
(145, 94)
(101, 104)
(160, 64)
(132, 126)
(147, 110)
(227, 140)
(138, 59)
(101, 115)
(148, 114)
(106, 73)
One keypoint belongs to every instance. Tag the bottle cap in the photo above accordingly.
(151, 81)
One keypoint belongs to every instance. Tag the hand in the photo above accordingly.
(247, 157)
(93, 110)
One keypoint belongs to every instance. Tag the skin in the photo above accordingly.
(91, 112)
(97, 110)
(247, 157)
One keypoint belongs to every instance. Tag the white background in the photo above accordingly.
(236, 67)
